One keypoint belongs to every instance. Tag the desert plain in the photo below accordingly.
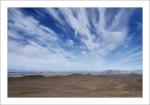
(76, 85)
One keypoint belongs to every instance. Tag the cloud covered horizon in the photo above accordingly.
(66, 39)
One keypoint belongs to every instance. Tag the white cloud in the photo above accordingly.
(69, 43)
(112, 37)
(107, 38)
(29, 26)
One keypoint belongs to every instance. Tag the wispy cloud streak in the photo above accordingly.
(73, 38)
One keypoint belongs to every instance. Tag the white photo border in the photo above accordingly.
(20, 101)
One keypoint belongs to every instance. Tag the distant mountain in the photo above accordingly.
(47, 73)
(106, 72)
(137, 72)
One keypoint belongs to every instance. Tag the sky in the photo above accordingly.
(74, 39)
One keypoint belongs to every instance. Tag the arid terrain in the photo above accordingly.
(76, 85)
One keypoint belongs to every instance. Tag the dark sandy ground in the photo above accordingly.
(76, 86)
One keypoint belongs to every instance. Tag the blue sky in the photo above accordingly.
(74, 39)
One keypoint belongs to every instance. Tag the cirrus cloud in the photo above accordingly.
(64, 39)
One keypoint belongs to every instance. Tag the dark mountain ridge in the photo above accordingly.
(48, 73)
